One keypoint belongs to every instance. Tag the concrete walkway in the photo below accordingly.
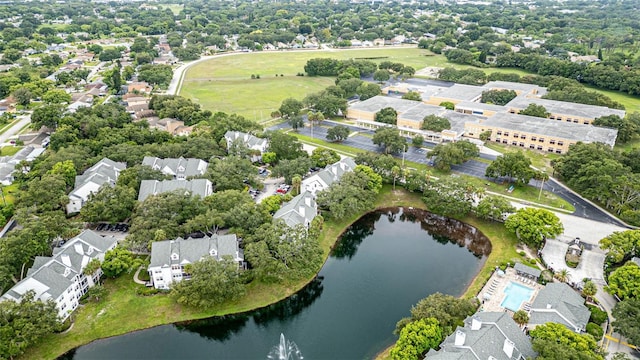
(136, 279)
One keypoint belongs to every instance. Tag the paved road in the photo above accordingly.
(584, 209)
(22, 122)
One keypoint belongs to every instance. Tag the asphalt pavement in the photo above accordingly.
(584, 208)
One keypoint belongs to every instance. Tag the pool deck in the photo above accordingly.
(495, 289)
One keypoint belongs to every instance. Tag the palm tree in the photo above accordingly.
(562, 275)
(296, 181)
(589, 290)
(521, 317)
(396, 171)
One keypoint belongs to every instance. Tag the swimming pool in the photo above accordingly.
(515, 295)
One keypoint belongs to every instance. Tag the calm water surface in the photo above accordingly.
(384, 263)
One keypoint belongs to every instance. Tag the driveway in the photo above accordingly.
(270, 187)
(553, 254)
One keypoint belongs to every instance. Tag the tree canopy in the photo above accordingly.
(533, 226)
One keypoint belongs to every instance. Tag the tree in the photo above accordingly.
(290, 107)
(498, 97)
(627, 323)
(416, 338)
(269, 157)
(532, 226)
(97, 292)
(412, 95)
(47, 115)
(23, 95)
(66, 169)
(562, 275)
(111, 203)
(448, 105)
(350, 195)
(555, 342)
(494, 208)
(621, 245)
(322, 157)
(25, 323)
(626, 128)
(451, 197)
(374, 180)
(368, 90)
(521, 317)
(92, 267)
(435, 123)
(56, 96)
(212, 283)
(290, 168)
(448, 310)
(296, 122)
(515, 165)
(447, 154)
(390, 139)
(589, 290)
(417, 141)
(232, 172)
(623, 282)
(535, 110)
(387, 115)
(109, 54)
(285, 146)
(338, 133)
(381, 76)
(159, 75)
(277, 252)
(117, 262)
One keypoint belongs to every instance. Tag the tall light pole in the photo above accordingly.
(543, 175)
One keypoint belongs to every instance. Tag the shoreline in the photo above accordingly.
(331, 233)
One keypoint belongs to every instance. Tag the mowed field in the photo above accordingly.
(224, 83)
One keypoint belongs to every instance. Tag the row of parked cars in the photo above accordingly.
(121, 227)
(283, 189)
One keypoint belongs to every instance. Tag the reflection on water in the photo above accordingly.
(383, 264)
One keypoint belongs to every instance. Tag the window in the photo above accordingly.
(539, 147)
(532, 146)
(559, 117)
(64, 305)
(523, 136)
(550, 149)
(505, 141)
(521, 144)
(569, 119)
(558, 151)
(533, 138)
(497, 140)
(157, 271)
(575, 121)
(515, 135)
(552, 117)
(541, 140)
(506, 134)
(586, 122)
(175, 267)
(561, 143)
(174, 256)
(499, 132)
(552, 142)
(514, 143)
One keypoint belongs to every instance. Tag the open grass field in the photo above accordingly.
(224, 83)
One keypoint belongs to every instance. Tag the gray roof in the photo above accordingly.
(495, 329)
(527, 270)
(200, 187)
(457, 120)
(461, 92)
(191, 250)
(378, 103)
(105, 171)
(566, 108)
(330, 174)
(47, 275)
(553, 128)
(179, 167)
(636, 260)
(248, 140)
(301, 210)
(418, 112)
(506, 85)
(559, 303)
(473, 105)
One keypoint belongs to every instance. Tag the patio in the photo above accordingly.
(493, 293)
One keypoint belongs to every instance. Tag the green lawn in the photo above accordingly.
(224, 83)
(175, 8)
(541, 161)
(9, 150)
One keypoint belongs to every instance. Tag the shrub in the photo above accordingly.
(522, 253)
(597, 316)
(595, 330)
(146, 291)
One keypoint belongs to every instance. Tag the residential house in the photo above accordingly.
(252, 142)
(104, 172)
(301, 210)
(8, 164)
(60, 277)
(169, 258)
(200, 187)
(139, 87)
(331, 173)
(180, 168)
(173, 126)
(559, 303)
(485, 335)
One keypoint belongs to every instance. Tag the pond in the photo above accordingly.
(383, 264)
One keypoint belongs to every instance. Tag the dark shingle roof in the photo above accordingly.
(559, 303)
